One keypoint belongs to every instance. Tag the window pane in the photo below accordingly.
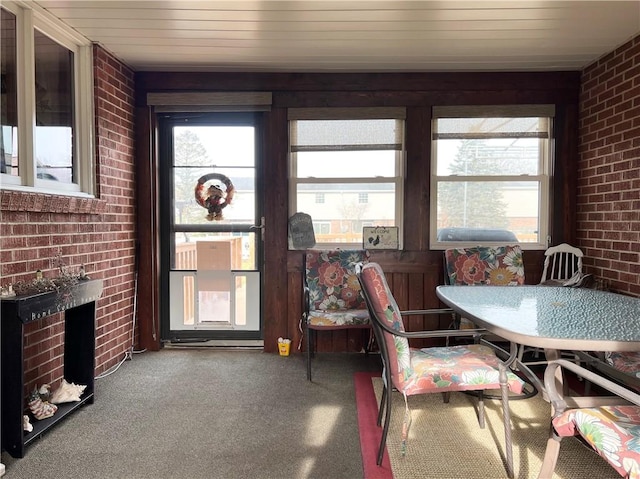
(489, 157)
(54, 133)
(347, 175)
(214, 145)
(495, 205)
(8, 104)
(346, 164)
(237, 251)
(217, 149)
(342, 215)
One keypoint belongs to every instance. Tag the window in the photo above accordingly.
(319, 198)
(321, 228)
(490, 175)
(54, 154)
(8, 104)
(363, 197)
(343, 154)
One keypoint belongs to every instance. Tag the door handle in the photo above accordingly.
(259, 227)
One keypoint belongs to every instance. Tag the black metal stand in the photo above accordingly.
(78, 305)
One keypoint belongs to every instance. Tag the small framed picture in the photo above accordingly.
(380, 237)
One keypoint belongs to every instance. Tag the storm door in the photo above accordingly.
(212, 234)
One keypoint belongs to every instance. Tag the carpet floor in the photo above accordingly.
(445, 441)
(209, 414)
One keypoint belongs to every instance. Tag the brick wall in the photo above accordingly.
(608, 204)
(99, 233)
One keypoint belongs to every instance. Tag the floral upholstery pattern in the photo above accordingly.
(484, 265)
(480, 265)
(438, 369)
(626, 362)
(612, 431)
(335, 298)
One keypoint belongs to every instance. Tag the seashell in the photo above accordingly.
(41, 409)
(26, 424)
(44, 392)
(67, 392)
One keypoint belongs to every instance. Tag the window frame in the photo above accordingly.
(374, 113)
(29, 18)
(543, 178)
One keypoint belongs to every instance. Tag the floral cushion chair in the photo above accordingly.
(480, 265)
(613, 431)
(332, 298)
(483, 265)
(413, 371)
(626, 362)
(623, 367)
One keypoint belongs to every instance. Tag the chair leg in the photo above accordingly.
(309, 347)
(445, 397)
(385, 429)
(369, 341)
(383, 401)
(520, 352)
(481, 421)
(550, 457)
(506, 418)
(365, 342)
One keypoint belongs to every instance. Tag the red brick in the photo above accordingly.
(609, 132)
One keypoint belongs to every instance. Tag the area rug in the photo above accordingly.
(445, 441)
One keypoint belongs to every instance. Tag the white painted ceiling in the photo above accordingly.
(353, 35)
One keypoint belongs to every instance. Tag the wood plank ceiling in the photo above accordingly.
(353, 35)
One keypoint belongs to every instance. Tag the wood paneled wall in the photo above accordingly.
(414, 272)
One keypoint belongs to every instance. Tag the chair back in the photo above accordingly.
(561, 262)
(331, 278)
(384, 310)
(484, 265)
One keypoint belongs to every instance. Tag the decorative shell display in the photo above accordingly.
(67, 392)
(39, 408)
(26, 424)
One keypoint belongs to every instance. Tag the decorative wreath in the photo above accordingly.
(214, 198)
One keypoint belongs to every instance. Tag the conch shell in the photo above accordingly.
(67, 392)
(39, 408)
(26, 424)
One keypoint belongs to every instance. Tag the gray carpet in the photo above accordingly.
(205, 413)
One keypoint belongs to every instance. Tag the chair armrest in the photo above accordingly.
(560, 404)
(440, 333)
(424, 312)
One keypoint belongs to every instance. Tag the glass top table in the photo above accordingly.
(553, 318)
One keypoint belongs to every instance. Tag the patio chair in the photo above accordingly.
(331, 296)
(609, 425)
(563, 268)
(412, 371)
(483, 265)
(621, 367)
(486, 266)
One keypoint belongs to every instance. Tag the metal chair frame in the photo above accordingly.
(380, 329)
